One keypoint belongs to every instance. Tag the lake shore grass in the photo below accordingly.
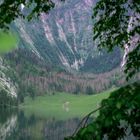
(63, 105)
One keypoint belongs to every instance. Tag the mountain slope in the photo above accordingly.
(64, 36)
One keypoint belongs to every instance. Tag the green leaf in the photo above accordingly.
(118, 105)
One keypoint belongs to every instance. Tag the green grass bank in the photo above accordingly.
(63, 105)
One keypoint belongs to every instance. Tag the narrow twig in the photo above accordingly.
(86, 119)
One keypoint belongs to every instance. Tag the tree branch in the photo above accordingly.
(86, 119)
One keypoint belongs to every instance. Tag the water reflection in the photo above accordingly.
(17, 126)
(8, 120)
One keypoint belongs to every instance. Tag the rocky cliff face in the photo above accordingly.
(63, 37)
(6, 83)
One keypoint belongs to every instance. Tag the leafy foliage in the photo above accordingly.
(117, 119)
(117, 24)
(133, 64)
(10, 10)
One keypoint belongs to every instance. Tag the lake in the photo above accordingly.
(47, 117)
(15, 125)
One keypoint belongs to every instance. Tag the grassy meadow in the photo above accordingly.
(63, 105)
(8, 41)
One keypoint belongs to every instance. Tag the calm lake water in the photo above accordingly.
(14, 125)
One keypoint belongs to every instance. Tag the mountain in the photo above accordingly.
(63, 37)
(56, 52)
